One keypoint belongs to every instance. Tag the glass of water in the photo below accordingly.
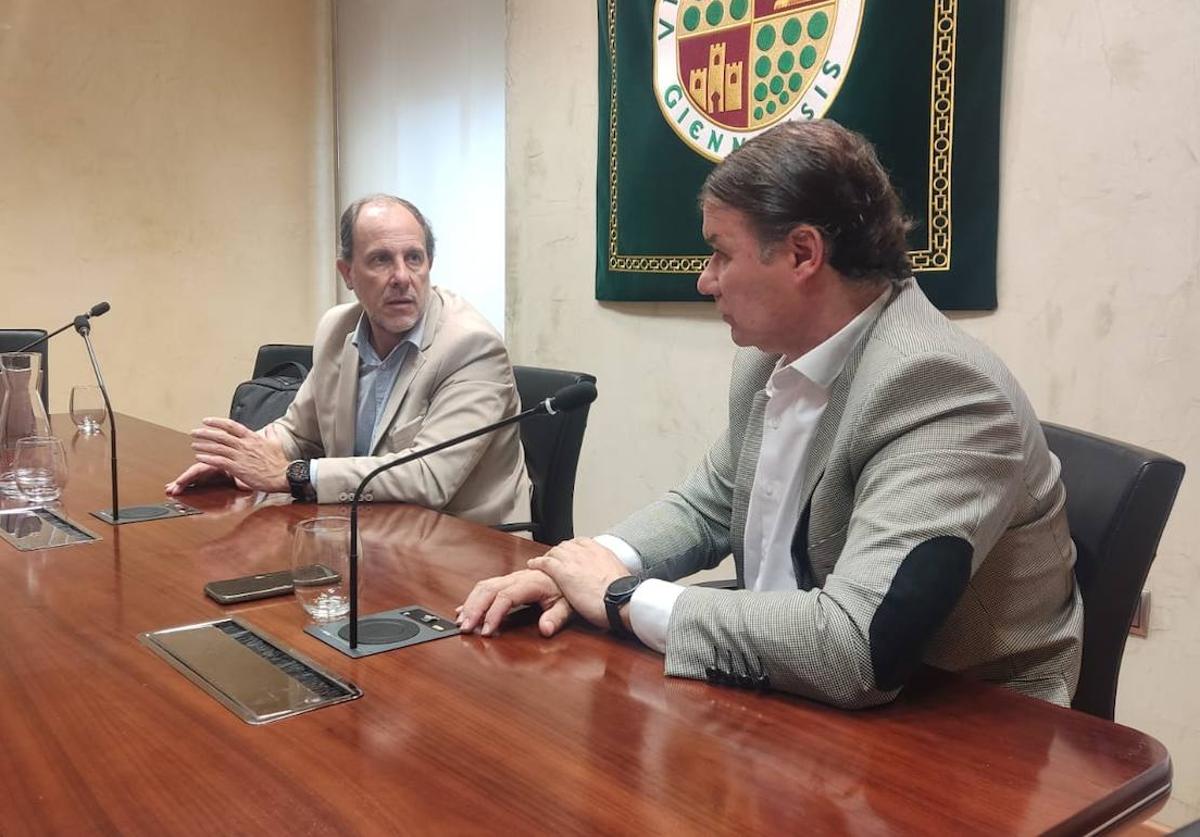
(40, 468)
(321, 567)
(87, 409)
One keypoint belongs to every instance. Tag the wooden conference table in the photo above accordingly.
(579, 734)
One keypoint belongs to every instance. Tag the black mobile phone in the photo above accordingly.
(262, 586)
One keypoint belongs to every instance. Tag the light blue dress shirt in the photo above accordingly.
(375, 381)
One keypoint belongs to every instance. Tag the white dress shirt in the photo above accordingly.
(797, 394)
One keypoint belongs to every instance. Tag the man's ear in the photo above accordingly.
(344, 269)
(806, 246)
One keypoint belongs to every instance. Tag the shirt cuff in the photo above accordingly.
(312, 473)
(625, 553)
(650, 611)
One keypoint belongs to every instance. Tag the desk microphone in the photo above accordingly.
(83, 325)
(568, 398)
(95, 311)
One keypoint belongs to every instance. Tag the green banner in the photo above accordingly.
(684, 82)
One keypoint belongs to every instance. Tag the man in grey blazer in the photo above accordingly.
(883, 483)
(407, 366)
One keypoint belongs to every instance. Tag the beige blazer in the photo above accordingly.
(460, 380)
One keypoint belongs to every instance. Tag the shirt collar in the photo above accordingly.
(823, 363)
(367, 353)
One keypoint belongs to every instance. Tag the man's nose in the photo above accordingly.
(707, 282)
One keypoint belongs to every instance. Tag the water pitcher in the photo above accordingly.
(21, 410)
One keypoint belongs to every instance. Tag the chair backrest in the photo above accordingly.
(12, 339)
(1118, 500)
(552, 445)
(273, 354)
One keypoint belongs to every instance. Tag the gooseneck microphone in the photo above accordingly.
(95, 311)
(83, 325)
(568, 398)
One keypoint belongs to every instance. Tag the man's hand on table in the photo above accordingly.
(491, 600)
(225, 448)
(571, 577)
(582, 569)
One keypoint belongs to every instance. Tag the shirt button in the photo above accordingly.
(773, 424)
(769, 491)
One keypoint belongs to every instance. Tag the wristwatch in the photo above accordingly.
(617, 594)
(298, 480)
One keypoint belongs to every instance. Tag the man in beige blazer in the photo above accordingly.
(407, 366)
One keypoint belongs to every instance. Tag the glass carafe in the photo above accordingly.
(21, 410)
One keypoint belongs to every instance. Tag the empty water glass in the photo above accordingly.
(87, 409)
(321, 567)
(40, 468)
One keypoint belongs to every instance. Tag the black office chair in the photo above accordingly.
(275, 354)
(12, 339)
(1118, 500)
(552, 445)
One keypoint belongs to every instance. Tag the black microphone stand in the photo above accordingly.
(346, 639)
(542, 407)
(84, 328)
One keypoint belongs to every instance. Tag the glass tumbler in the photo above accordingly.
(321, 567)
(40, 468)
(87, 409)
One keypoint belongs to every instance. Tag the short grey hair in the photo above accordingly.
(350, 219)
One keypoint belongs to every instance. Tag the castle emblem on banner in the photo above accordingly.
(726, 70)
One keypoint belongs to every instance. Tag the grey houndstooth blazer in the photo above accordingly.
(934, 530)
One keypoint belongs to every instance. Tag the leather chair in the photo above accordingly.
(1118, 500)
(274, 354)
(552, 445)
(12, 339)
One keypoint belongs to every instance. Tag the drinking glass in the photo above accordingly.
(87, 409)
(40, 467)
(321, 567)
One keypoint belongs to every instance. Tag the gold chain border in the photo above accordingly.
(936, 254)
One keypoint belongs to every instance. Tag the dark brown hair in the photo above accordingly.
(819, 173)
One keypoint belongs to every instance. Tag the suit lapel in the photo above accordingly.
(346, 403)
(433, 320)
(809, 528)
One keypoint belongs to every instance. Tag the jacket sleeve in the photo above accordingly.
(931, 499)
(474, 387)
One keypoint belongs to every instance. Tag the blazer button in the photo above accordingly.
(343, 497)
(370, 498)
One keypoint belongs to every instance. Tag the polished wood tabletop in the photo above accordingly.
(578, 734)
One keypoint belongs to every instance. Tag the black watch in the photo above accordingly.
(298, 479)
(617, 594)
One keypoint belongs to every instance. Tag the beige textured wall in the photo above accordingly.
(175, 158)
(1099, 281)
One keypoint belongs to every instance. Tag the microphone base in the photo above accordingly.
(143, 514)
(386, 631)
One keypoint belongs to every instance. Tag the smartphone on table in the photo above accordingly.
(247, 588)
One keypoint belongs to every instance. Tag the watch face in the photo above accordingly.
(624, 586)
(297, 471)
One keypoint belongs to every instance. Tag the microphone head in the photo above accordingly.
(573, 396)
(98, 309)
